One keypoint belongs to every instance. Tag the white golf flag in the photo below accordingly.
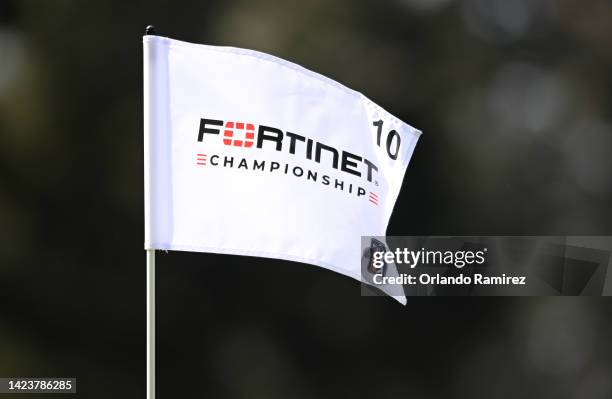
(249, 154)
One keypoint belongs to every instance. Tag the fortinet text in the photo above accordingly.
(287, 141)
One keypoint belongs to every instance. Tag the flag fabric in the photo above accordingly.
(249, 154)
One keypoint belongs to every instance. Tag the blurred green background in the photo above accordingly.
(515, 101)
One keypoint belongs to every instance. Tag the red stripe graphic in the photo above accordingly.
(201, 159)
(373, 198)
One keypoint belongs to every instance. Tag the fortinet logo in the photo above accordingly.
(241, 134)
(249, 136)
(238, 128)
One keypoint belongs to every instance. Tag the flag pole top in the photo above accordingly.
(150, 30)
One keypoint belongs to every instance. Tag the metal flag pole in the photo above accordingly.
(150, 324)
(150, 30)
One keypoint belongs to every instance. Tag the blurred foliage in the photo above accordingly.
(514, 98)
